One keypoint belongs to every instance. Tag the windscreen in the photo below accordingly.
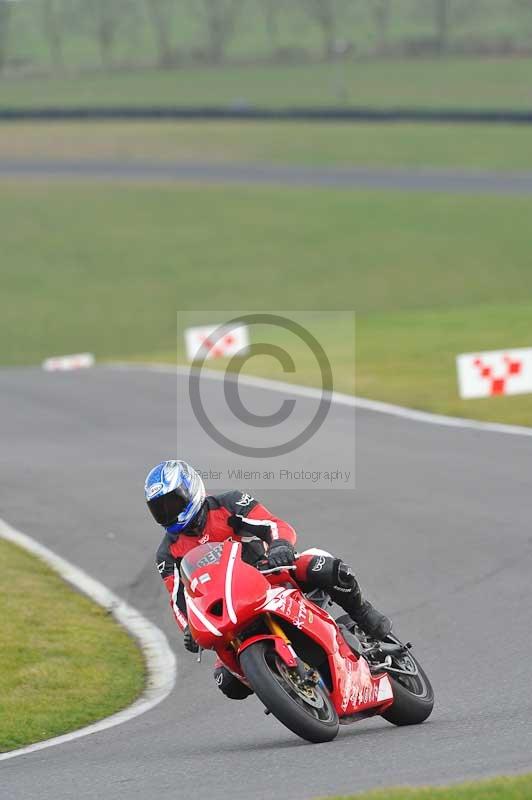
(202, 556)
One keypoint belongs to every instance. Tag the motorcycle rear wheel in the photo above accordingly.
(309, 712)
(413, 696)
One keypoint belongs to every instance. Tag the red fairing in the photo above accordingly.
(248, 518)
(281, 647)
(354, 688)
(225, 596)
(220, 594)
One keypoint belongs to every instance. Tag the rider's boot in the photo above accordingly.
(326, 572)
(346, 592)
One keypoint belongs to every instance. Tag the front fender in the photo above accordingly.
(283, 650)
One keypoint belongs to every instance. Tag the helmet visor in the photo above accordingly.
(166, 509)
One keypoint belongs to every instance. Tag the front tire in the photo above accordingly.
(307, 712)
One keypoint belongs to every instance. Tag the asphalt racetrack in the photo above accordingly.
(438, 531)
(408, 180)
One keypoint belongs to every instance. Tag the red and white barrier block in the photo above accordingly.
(66, 363)
(216, 341)
(496, 372)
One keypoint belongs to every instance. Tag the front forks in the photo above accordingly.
(308, 675)
(276, 629)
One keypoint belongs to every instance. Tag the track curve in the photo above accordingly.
(424, 179)
(438, 530)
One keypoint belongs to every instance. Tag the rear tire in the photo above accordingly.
(315, 720)
(410, 707)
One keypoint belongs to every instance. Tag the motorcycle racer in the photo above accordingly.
(176, 497)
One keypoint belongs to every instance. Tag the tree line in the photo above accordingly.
(218, 21)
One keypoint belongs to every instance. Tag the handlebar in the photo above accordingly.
(274, 569)
(263, 567)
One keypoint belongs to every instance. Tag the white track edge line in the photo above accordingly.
(336, 397)
(159, 657)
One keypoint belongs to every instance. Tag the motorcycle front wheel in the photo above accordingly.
(306, 709)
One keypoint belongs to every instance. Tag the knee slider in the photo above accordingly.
(229, 685)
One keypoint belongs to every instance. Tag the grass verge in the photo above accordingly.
(64, 662)
(105, 268)
(494, 147)
(505, 788)
(425, 83)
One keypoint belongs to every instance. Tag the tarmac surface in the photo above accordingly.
(438, 531)
(408, 180)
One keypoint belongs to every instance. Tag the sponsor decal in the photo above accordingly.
(348, 685)
(364, 694)
(161, 567)
(204, 578)
(212, 557)
(245, 500)
(289, 607)
(153, 490)
(280, 600)
(301, 617)
(277, 603)
(358, 689)
(296, 612)
(318, 566)
(204, 539)
(385, 690)
(219, 679)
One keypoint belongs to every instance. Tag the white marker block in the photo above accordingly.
(495, 372)
(66, 363)
(216, 341)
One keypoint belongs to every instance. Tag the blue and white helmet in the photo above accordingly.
(175, 494)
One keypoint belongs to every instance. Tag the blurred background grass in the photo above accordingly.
(431, 53)
(454, 82)
(106, 267)
(493, 147)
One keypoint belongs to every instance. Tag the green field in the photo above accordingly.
(430, 83)
(105, 268)
(516, 788)
(64, 662)
(495, 147)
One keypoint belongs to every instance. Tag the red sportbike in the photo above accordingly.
(311, 671)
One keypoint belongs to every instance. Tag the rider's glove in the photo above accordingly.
(281, 553)
(188, 640)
